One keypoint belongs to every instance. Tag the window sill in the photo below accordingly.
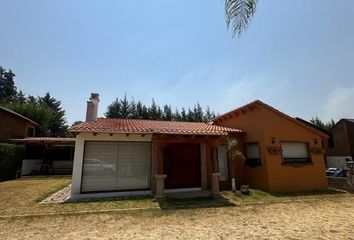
(297, 164)
(253, 166)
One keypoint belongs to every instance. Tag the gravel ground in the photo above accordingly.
(320, 219)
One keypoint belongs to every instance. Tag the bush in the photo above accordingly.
(10, 160)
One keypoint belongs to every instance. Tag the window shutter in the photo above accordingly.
(133, 165)
(99, 166)
(110, 166)
(252, 151)
(295, 150)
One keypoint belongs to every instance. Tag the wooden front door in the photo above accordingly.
(182, 165)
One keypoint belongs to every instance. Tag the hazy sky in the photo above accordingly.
(297, 56)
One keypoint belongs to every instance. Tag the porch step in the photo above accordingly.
(188, 194)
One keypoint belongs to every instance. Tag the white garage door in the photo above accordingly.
(114, 166)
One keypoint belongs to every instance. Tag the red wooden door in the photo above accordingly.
(182, 165)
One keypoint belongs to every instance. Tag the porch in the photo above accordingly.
(185, 166)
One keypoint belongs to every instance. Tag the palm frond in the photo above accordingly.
(238, 14)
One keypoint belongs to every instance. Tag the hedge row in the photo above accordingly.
(10, 160)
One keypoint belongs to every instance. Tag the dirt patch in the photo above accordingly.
(323, 219)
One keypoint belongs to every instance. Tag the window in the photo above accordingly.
(295, 152)
(30, 132)
(252, 155)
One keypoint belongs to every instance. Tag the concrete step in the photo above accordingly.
(189, 194)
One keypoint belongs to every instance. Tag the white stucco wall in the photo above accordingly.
(79, 156)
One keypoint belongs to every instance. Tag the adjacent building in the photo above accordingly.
(340, 147)
(14, 125)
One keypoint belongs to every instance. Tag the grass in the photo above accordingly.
(190, 203)
(22, 197)
(261, 196)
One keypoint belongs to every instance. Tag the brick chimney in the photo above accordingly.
(92, 107)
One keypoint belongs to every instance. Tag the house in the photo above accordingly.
(14, 125)
(340, 149)
(120, 157)
(281, 153)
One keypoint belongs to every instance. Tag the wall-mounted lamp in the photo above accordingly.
(273, 140)
(315, 141)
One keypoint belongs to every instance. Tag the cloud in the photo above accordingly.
(339, 104)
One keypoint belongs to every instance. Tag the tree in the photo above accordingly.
(76, 123)
(154, 111)
(125, 107)
(167, 113)
(176, 116)
(57, 126)
(21, 97)
(234, 155)
(31, 99)
(323, 125)
(113, 109)
(239, 14)
(41, 114)
(8, 91)
(122, 108)
(209, 115)
(183, 115)
(198, 115)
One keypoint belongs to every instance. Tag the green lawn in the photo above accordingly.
(22, 196)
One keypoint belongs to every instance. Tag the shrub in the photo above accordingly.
(10, 160)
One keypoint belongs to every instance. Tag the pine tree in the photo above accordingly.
(113, 109)
(57, 125)
(176, 116)
(153, 111)
(323, 125)
(167, 113)
(125, 107)
(21, 97)
(31, 99)
(183, 115)
(190, 115)
(139, 110)
(8, 91)
(208, 116)
(133, 109)
(198, 113)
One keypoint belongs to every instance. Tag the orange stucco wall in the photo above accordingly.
(262, 125)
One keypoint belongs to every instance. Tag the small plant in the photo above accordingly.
(245, 189)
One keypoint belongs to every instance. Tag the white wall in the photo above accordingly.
(29, 165)
(79, 156)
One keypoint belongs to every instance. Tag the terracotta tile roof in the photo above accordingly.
(111, 125)
(44, 140)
